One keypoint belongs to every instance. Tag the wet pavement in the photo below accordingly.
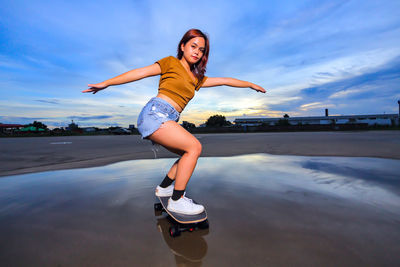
(263, 210)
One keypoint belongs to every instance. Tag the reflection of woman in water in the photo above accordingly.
(180, 77)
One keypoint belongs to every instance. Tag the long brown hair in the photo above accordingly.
(198, 69)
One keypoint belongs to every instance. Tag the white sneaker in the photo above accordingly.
(164, 192)
(184, 205)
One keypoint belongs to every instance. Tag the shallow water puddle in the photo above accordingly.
(284, 210)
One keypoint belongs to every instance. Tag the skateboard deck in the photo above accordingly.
(182, 218)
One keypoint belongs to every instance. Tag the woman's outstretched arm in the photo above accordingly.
(217, 81)
(130, 76)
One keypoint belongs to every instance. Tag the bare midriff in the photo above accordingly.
(169, 100)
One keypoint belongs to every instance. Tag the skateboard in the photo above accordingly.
(183, 222)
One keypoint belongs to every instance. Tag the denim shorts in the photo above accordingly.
(154, 114)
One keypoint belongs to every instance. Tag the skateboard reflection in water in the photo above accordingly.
(181, 77)
(188, 249)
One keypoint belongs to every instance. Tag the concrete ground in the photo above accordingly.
(36, 154)
(263, 209)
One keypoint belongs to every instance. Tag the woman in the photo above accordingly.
(180, 77)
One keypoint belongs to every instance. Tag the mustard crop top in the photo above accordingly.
(175, 81)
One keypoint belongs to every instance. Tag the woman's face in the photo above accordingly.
(194, 49)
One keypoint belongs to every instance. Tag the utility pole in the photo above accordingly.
(398, 115)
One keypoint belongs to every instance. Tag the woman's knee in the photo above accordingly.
(195, 148)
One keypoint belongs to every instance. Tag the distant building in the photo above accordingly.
(11, 126)
(7, 128)
(378, 119)
(88, 129)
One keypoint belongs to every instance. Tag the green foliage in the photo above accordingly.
(188, 125)
(38, 125)
(73, 126)
(283, 122)
(217, 120)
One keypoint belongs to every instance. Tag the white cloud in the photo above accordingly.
(315, 105)
(345, 93)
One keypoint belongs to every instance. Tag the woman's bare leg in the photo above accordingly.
(172, 136)
(172, 172)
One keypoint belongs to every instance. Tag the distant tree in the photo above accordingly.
(72, 126)
(217, 120)
(111, 128)
(38, 125)
(282, 122)
(187, 125)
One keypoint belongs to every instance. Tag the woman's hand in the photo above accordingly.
(95, 87)
(257, 88)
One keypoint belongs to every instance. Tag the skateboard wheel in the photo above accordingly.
(174, 231)
(158, 207)
(204, 225)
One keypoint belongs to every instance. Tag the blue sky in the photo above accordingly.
(308, 55)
